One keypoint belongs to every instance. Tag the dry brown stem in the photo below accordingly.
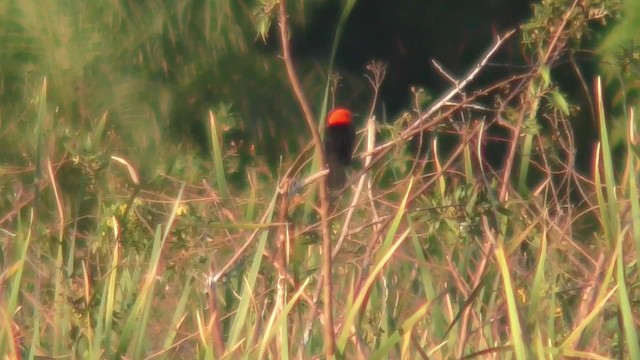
(329, 336)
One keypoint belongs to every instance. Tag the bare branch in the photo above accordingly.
(463, 83)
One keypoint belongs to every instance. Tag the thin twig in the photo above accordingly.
(420, 124)
(559, 32)
(444, 73)
(462, 83)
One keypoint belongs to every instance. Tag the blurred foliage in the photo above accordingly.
(549, 15)
(619, 51)
(153, 67)
(136, 78)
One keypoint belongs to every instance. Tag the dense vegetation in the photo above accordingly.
(151, 206)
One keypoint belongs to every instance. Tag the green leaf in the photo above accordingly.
(560, 102)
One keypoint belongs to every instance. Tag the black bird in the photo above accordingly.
(339, 141)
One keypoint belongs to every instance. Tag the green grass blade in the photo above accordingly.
(626, 313)
(603, 209)
(110, 293)
(7, 344)
(395, 224)
(438, 322)
(133, 323)
(613, 224)
(23, 237)
(62, 311)
(468, 165)
(39, 134)
(178, 315)
(612, 221)
(634, 194)
(141, 340)
(218, 163)
(249, 283)
(280, 323)
(575, 334)
(357, 304)
(524, 164)
(136, 320)
(538, 290)
(514, 320)
(253, 198)
(98, 334)
(382, 352)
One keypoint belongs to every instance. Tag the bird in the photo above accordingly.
(339, 141)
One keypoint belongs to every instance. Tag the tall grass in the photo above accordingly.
(428, 284)
(434, 262)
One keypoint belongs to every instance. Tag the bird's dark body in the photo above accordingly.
(338, 146)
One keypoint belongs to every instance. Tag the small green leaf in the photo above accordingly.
(546, 76)
(560, 103)
(264, 23)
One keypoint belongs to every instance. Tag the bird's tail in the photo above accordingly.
(337, 177)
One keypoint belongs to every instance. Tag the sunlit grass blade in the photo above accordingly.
(384, 254)
(514, 320)
(98, 131)
(140, 336)
(99, 332)
(442, 185)
(109, 293)
(136, 322)
(358, 303)
(603, 209)
(178, 315)
(468, 165)
(525, 161)
(253, 198)
(279, 323)
(613, 224)
(7, 342)
(634, 198)
(218, 163)
(573, 354)
(241, 315)
(575, 334)
(15, 272)
(634, 194)
(395, 224)
(437, 321)
(612, 221)
(25, 234)
(205, 339)
(626, 313)
(539, 287)
(383, 351)
(39, 130)
(61, 309)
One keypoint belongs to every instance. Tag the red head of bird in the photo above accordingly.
(339, 116)
(338, 145)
